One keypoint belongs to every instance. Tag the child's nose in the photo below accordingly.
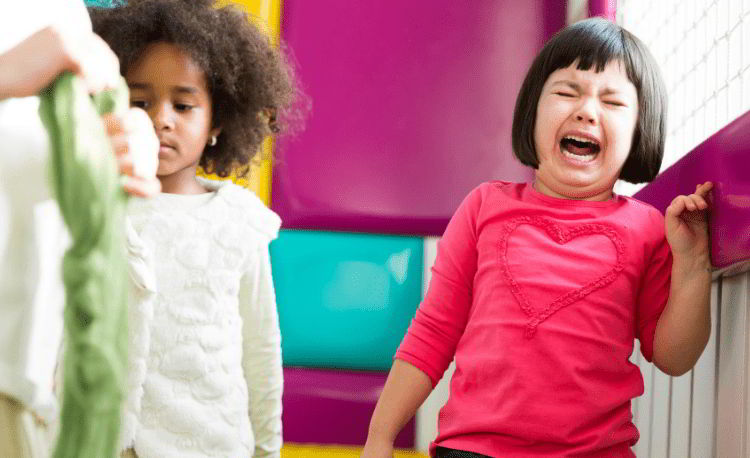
(162, 117)
(586, 118)
(586, 113)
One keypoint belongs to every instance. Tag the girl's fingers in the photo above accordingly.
(125, 164)
(144, 144)
(134, 190)
(121, 124)
(141, 188)
(114, 124)
(689, 204)
(699, 201)
(151, 187)
(702, 189)
(693, 202)
(677, 206)
(120, 145)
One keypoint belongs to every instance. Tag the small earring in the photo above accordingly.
(213, 140)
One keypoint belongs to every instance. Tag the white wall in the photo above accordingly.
(577, 10)
(703, 48)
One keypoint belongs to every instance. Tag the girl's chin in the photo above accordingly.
(162, 172)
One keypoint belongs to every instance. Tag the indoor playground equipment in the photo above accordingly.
(406, 119)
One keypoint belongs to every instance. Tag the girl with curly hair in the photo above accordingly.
(205, 374)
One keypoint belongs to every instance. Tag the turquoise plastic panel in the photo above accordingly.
(104, 3)
(345, 300)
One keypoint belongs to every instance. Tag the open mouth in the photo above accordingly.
(579, 148)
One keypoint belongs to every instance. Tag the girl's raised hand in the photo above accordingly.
(686, 223)
(136, 148)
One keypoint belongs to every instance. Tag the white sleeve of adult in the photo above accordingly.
(19, 20)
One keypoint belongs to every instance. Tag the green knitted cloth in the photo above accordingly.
(85, 181)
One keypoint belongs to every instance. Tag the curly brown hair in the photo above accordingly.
(252, 83)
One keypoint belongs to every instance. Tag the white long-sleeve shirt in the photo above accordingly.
(33, 237)
(205, 376)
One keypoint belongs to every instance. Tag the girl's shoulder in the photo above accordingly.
(508, 187)
(643, 207)
(475, 199)
(246, 208)
(484, 190)
(649, 217)
(487, 187)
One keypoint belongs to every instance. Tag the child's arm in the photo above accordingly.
(430, 343)
(405, 390)
(684, 327)
(261, 355)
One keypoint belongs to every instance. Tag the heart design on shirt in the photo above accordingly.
(561, 236)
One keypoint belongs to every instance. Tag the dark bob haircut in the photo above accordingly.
(252, 84)
(594, 43)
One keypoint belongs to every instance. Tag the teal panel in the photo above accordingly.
(104, 3)
(345, 300)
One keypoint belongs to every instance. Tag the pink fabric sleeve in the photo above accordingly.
(655, 283)
(431, 340)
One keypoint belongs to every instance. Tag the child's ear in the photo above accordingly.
(215, 131)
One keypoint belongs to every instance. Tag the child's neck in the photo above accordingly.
(544, 189)
(182, 182)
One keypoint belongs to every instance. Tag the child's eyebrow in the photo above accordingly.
(176, 89)
(577, 87)
(571, 84)
(185, 90)
(610, 91)
(139, 86)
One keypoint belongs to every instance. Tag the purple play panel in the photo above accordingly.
(412, 104)
(724, 159)
(604, 8)
(333, 407)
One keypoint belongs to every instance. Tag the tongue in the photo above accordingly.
(578, 150)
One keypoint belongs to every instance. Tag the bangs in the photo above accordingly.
(593, 44)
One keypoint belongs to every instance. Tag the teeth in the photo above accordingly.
(578, 157)
(581, 139)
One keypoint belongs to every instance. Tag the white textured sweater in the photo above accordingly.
(205, 374)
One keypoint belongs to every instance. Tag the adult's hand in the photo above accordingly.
(35, 62)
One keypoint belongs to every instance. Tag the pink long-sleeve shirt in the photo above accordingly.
(539, 301)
